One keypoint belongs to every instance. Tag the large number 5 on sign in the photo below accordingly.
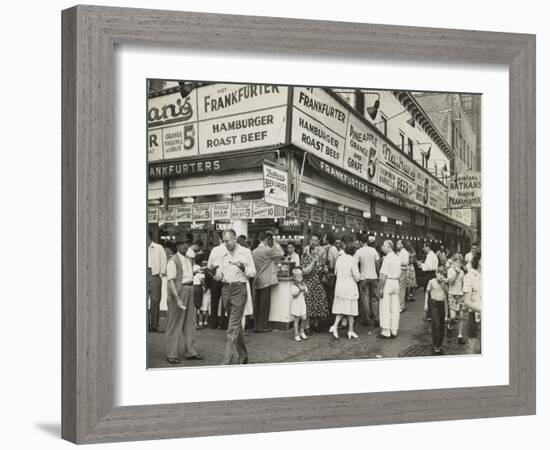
(188, 136)
(371, 165)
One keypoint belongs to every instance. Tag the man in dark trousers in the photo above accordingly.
(235, 268)
(266, 276)
(214, 260)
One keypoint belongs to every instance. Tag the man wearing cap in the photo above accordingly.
(181, 308)
(367, 257)
(266, 276)
(390, 273)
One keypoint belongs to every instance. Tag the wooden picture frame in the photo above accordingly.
(89, 37)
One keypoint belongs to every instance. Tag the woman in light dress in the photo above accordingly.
(346, 293)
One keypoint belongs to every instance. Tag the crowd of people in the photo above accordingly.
(336, 282)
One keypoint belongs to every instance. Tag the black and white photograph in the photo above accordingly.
(291, 224)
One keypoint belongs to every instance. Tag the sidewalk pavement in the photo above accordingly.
(414, 340)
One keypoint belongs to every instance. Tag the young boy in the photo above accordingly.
(436, 302)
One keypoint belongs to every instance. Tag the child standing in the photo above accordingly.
(298, 304)
(199, 286)
(436, 302)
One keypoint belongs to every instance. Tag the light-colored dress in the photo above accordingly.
(298, 301)
(346, 292)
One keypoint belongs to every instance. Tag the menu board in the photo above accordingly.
(221, 211)
(263, 210)
(241, 210)
(152, 214)
(316, 214)
(183, 213)
(167, 215)
(340, 220)
(202, 211)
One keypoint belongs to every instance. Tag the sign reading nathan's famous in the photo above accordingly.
(216, 118)
(465, 190)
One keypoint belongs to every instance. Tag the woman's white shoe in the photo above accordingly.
(297, 338)
(334, 331)
(303, 335)
(352, 334)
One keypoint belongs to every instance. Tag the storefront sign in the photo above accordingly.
(319, 124)
(340, 220)
(329, 216)
(465, 190)
(216, 118)
(241, 132)
(241, 210)
(291, 226)
(422, 195)
(316, 214)
(263, 210)
(208, 166)
(221, 100)
(171, 108)
(221, 211)
(167, 215)
(183, 213)
(275, 185)
(222, 226)
(202, 211)
(152, 214)
(361, 150)
(438, 196)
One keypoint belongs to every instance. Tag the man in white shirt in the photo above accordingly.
(235, 267)
(367, 257)
(403, 279)
(469, 256)
(156, 268)
(292, 256)
(429, 267)
(389, 291)
(181, 307)
(215, 321)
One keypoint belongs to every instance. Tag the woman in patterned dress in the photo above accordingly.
(313, 267)
(411, 274)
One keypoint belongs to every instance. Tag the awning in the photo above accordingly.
(192, 167)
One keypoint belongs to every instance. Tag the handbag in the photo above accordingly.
(328, 279)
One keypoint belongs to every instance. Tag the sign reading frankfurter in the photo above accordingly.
(465, 190)
(275, 185)
(216, 118)
(319, 124)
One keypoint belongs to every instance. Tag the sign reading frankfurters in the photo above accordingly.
(465, 190)
(275, 185)
(216, 118)
(319, 124)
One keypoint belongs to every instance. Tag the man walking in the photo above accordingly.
(236, 266)
(214, 259)
(367, 257)
(403, 277)
(181, 308)
(266, 276)
(390, 273)
(429, 267)
(156, 268)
